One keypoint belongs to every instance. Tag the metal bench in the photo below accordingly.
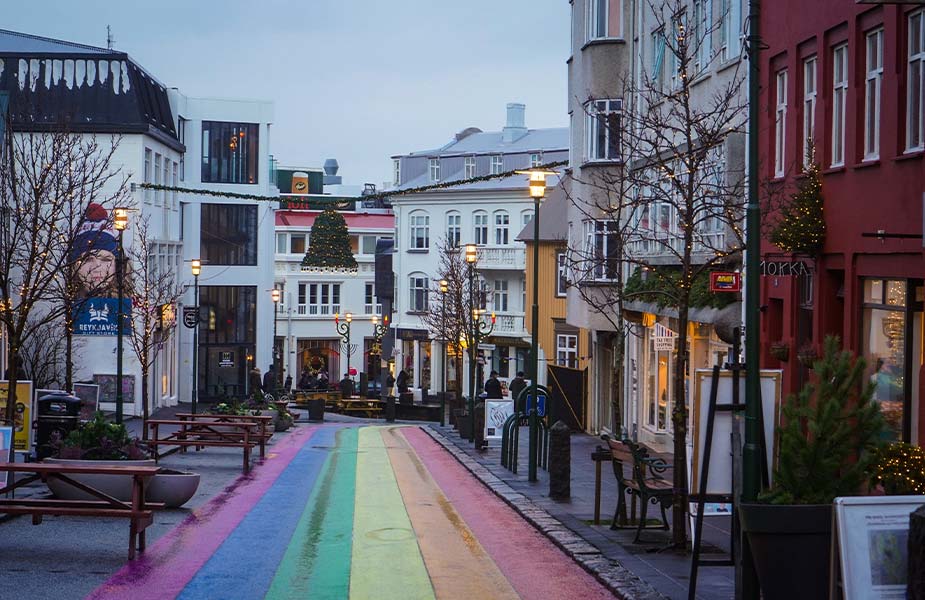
(646, 481)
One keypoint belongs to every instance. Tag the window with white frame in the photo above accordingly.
(567, 350)
(872, 87)
(469, 163)
(561, 274)
(420, 231)
(658, 58)
(601, 247)
(148, 175)
(453, 229)
(725, 30)
(396, 171)
(525, 218)
(839, 97)
(536, 160)
(158, 194)
(281, 305)
(780, 124)
(370, 305)
(318, 299)
(176, 183)
(435, 169)
(417, 301)
(500, 299)
(297, 243)
(480, 226)
(809, 110)
(166, 179)
(282, 243)
(605, 19)
(368, 244)
(502, 227)
(604, 123)
(497, 164)
(915, 94)
(702, 37)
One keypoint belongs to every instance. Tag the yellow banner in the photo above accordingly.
(22, 427)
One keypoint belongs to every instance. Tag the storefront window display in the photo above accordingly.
(319, 355)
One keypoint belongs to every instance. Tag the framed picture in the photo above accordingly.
(89, 394)
(870, 546)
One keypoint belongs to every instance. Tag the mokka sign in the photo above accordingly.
(100, 316)
(784, 268)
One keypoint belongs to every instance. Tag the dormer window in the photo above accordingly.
(435, 169)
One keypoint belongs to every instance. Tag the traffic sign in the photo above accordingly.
(540, 405)
(190, 316)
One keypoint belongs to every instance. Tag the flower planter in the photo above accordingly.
(780, 351)
(117, 486)
(316, 410)
(791, 546)
(173, 488)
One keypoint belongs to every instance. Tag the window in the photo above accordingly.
(396, 171)
(603, 129)
(370, 306)
(502, 226)
(435, 169)
(780, 124)
(149, 177)
(176, 183)
(500, 299)
(282, 243)
(165, 195)
(561, 274)
(420, 231)
(660, 367)
(605, 19)
(181, 135)
(536, 160)
(809, 110)
(915, 136)
(480, 224)
(725, 26)
(470, 167)
(567, 350)
(872, 86)
(228, 234)
(323, 299)
(839, 95)
(525, 218)
(702, 36)
(418, 297)
(297, 243)
(368, 244)
(658, 58)
(229, 152)
(453, 229)
(601, 247)
(158, 194)
(497, 164)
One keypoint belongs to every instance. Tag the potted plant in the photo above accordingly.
(780, 351)
(807, 355)
(828, 435)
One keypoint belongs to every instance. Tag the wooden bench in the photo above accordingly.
(358, 405)
(646, 481)
(199, 433)
(263, 422)
(139, 512)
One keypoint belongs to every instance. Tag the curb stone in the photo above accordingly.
(616, 578)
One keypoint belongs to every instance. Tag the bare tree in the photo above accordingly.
(43, 355)
(154, 291)
(672, 211)
(47, 181)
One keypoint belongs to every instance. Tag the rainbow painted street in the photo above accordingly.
(354, 512)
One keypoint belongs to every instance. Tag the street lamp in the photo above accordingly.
(196, 268)
(479, 329)
(444, 288)
(120, 223)
(275, 294)
(537, 184)
(343, 328)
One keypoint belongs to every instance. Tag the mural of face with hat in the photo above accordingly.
(94, 252)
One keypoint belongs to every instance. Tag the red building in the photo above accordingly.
(849, 77)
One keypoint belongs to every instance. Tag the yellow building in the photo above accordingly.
(560, 343)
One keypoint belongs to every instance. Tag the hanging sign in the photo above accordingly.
(725, 282)
(663, 338)
(189, 316)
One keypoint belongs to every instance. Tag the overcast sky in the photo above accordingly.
(356, 80)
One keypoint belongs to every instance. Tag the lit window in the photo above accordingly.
(872, 87)
(604, 129)
(229, 152)
(915, 100)
(297, 243)
(780, 124)
(839, 96)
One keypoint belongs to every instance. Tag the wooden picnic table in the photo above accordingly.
(262, 420)
(201, 433)
(357, 404)
(139, 512)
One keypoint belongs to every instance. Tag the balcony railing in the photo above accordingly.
(502, 257)
(673, 244)
(511, 324)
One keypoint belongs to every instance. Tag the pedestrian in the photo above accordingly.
(269, 380)
(287, 387)
(346, 386)
(517, 385)
(389, 385)
(306, 380)
(402, 381)
(255, 383)
(493, 386)
(322, 380)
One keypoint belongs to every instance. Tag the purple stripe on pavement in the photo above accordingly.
(164, 569)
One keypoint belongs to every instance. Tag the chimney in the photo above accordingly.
(330, 172)
(514, 128)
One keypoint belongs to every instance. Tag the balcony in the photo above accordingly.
(508, 258)
(509, 325)
(670, 245)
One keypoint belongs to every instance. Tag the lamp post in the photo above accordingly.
(343, 328)
(537, 184)
(379, 330)
(444, 288)
(120, 223)
(196, 268)
(275, 294)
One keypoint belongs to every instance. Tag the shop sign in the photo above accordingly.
(784, 268)
(226, 359)
(725, 282)
(663, 338)
(421, 335)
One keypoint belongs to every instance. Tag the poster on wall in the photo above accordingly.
(871, 537)
(6, 439)
(496, 413)
(107, 385)
(100, 316)
(89, 395)
(22, 424)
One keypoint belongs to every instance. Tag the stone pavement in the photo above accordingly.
(631, 570)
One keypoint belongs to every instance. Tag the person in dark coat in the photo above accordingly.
(287, 387)
(346, 386)
(402, 381)
(269, 380)
(517, 386)
(253, 380)
(322, 380)
(306, 381)
(493, 386)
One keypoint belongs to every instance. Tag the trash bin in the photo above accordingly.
(316, 410)
(57, 412)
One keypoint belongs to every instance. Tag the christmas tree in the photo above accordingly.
(329, 245)
(801, 227)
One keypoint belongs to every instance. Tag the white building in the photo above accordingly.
(488, 213)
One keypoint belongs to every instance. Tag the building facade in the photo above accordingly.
(488, 213)
(846, 79)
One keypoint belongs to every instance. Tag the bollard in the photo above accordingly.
(915, 589)
(560, 462)
(480, 427)
(390, 409)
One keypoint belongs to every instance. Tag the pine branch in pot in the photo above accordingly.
(807, 355)
(780, 351)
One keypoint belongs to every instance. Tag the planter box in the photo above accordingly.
(791, 546)
(117, 486)
(173, 488)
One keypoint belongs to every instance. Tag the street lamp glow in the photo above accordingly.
(348, 317)
(275, 294)
(537, 181)
(375, 320)
(444, 286)
(120, 218)
(196, 267)
(471, 254)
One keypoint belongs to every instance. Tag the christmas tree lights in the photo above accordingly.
(329, 246)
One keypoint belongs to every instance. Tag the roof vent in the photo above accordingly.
(330, 172)
(467, 132)
(514, 128)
